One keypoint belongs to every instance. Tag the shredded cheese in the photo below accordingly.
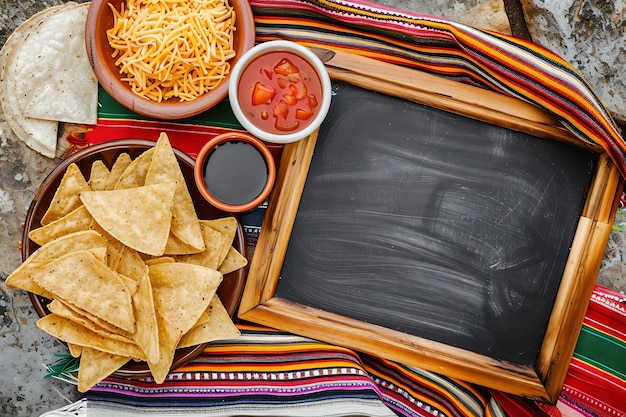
(171, 48)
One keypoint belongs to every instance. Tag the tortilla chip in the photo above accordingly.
(70, 332)
(102, 324)
(115, 248)
(210, 257)
(66, 197)
(96, 365)
(75, 350)
(175, 246)
(81, 280)
(227, 226)
(75, 221)
(169, 336)
(122, 162)
(183, 291)
(138, 217)
(147, 334)
(233, 261)
(63, 310)
(160, 260)
(98, 176)
(135, 173)
(131, 264)
(21, 276)
(165, 167)
(219, 327)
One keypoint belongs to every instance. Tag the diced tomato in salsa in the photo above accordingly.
(262, 94)
(302, 114)
(282, 81)
(281, 109)
(312, 101)
(268, 73)
(297, 87)
(285, 67)
(284, 126)
(290, 99)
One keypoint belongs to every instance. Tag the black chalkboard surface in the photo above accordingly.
(438, 225)
(435, 225)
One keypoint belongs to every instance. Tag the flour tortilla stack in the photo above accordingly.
(46, 78)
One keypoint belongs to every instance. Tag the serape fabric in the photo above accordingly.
(596, 381)
(266, 372)
(446, 48)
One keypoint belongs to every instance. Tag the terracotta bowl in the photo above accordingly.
(229, 291)
(100, 19)
(243, 171)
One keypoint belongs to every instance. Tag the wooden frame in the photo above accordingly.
(544, 381)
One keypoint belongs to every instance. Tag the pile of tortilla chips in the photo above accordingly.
(46, 77)
(129, 268)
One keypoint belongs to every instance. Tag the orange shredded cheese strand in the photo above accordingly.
(171, 48)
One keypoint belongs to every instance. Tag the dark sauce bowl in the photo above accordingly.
(226, 178)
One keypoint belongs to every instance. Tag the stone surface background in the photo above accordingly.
(590, 34)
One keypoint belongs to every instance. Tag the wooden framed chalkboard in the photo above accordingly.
(431, 237)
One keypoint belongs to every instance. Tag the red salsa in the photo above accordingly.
(280, 92)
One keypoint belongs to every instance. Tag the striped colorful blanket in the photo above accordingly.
(270, 373)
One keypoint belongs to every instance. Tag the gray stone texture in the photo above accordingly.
(591, 35)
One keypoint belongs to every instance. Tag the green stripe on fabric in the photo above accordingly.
(602, 350)
(220, 115)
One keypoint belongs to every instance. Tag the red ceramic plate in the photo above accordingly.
(231, 287)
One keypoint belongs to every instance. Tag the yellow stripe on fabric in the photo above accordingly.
(267, 367)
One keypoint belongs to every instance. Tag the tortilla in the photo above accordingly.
(81, 280)
(138, 217)
(164, 167)
(115, 248)
(45, 77)
(175, 246)
(39, 135)
(75, 350)
(66, 197)
(52, 74)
